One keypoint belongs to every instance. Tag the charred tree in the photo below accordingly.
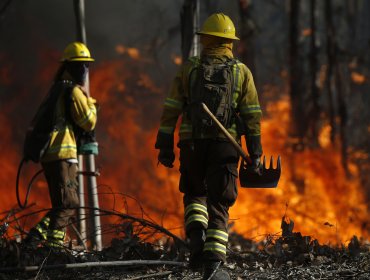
(188, 13)
(304, 69)
(339, 25)
(314, 63)
(296, 74)
(247, 34)
(331, 61)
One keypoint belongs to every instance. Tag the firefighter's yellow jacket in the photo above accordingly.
(245, 98)
(83, 113)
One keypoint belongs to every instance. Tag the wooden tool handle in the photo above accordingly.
(226, 133)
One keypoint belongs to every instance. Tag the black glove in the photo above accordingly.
(166, 157)
(165, 145)
(255, 165)
(255, 151)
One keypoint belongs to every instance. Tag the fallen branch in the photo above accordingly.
(141, 221)
(164, 273)
(90, 264)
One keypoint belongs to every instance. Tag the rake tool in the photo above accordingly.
(269, 177)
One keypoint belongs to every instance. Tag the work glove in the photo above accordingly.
(255, 151)
(165, 145)
(166, 157)
(255, 166)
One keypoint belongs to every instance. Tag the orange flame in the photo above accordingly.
(323, 202)
(358, 78)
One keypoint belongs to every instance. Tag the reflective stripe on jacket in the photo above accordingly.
(245, 98)
(83, 113)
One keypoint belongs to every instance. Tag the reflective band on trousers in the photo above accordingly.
(45, 221)
(196, 207)
(56, 234)
(215, 246)
(55, 243)
(42, 227)
(41, 230)
(196, 218)
(217, 234)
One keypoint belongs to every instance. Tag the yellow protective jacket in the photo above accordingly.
(245, 98)
(82, 113)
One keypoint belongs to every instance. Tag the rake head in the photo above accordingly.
(269, 177)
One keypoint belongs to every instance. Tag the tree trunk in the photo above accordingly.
(316, 110)
(247, 33)
(296, 73)
(329, 74)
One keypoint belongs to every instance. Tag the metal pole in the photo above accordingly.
(95, 229)
(195, 50)
(81, 216)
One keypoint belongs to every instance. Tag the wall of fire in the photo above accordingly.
(137, 49)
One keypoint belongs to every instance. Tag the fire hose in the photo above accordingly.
(24, 205)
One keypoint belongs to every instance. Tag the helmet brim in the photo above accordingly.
(82, 59)
(218, 34)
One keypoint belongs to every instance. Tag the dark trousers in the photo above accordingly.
(208, 180)
(62, 181)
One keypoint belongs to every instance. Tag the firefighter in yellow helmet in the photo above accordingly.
(73, 113)
(208, 162)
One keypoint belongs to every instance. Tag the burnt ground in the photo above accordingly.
(291, 256)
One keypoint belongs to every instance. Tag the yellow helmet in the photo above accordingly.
(219, 25)
(76, 51)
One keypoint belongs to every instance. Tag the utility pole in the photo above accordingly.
(95, 225)
(190, 23)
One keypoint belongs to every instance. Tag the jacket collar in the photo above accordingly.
(218, 50)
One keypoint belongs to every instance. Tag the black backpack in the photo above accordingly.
(214, 86)
(38, 135)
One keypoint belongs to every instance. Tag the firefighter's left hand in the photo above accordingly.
(166, 157)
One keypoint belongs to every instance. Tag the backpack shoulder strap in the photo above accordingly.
(195, 60)
(192, 76)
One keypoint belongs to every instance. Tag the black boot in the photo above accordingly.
(196, 237)
(213, 271)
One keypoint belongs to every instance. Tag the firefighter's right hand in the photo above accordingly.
(166, 157)
(255, 165)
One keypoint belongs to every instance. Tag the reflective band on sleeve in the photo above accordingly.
(173, 103)
(250, 109)
(196, 207)
(87, 117)
(196, 218)
(167, 129)
(215, 246)
(236, 72)
(59, 148)
(217, 234)
(254, 134)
